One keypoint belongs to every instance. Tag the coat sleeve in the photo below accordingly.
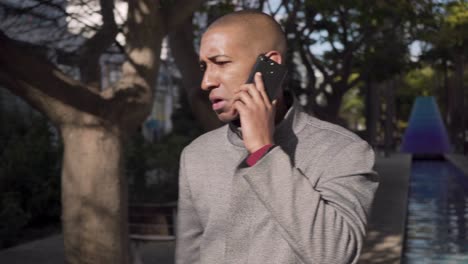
(189, 228)
(322, 215)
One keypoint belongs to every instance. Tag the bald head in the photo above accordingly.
(228, 51)
(260, 30)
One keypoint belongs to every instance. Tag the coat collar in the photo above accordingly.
(294, 121)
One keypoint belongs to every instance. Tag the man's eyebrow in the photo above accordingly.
(217, 56)
(214, 57)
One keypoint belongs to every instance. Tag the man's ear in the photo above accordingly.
(275, 56)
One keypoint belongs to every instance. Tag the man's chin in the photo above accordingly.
(228, 117)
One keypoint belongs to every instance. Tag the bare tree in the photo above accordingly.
(94, 122)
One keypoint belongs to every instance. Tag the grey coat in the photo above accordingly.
(306, 201)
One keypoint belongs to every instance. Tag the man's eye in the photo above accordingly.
(222, 62)
(203, 67)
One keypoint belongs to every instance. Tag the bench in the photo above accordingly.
(149, 222)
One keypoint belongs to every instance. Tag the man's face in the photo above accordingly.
(226, 58)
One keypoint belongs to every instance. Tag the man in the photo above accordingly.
(294, 190)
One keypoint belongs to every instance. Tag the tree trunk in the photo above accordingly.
(372, 112)
(94, 197)
(186, 59)
(330, 112)
(333, 107)
(390, 87)
(446, 94)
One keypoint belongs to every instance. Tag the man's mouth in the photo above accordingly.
(218, 103)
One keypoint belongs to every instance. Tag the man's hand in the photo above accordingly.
(257, 114)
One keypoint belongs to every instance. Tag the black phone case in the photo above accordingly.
(273, 75)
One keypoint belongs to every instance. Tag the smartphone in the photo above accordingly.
(273, 75)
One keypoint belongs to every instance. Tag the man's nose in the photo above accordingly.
(209, 81)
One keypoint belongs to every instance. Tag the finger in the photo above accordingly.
(240, 107)
(243, 88)
(254, 93)
(261, 88)
(244, 97)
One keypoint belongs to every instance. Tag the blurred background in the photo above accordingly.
(360, 64)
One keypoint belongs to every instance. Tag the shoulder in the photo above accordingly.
(328, 133)
(326, 147)
(208, 141)
(327, 142)
(333, 130)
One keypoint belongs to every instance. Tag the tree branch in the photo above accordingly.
(305, 60)
(317, 63)
(343, 21)
(179, 11)
(42, 84)
(261, 4)
(63, 99)
(132, 96)
(332, 44)
(30, 11)
(93, 48)
(273, 13)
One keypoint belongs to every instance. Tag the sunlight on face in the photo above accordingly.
(226, 58)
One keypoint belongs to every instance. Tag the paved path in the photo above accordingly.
(383, 245)
(44, 251)
(50, 251)
(384, 240)
(460, 161)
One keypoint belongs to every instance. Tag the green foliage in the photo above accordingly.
(352, 109)
(454, 28)
(354, 42)
(417, 82)
(443, 26)
(29, 175)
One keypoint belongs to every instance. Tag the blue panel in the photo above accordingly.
(426, 133)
